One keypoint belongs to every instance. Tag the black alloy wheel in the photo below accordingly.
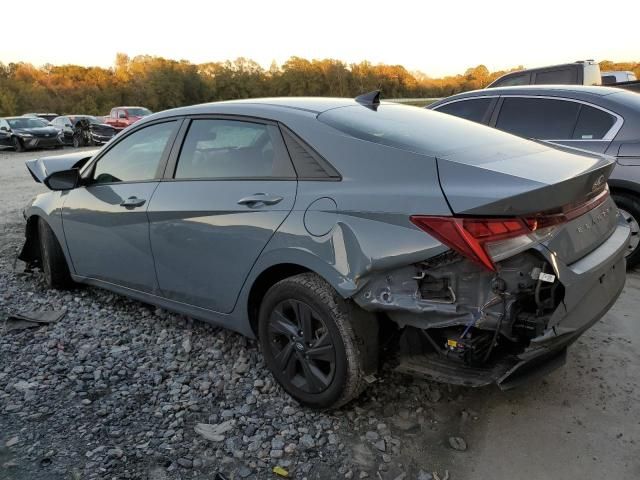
(314, 341)
(301, 346)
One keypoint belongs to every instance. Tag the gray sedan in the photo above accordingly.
(597, 119)
(343, 233)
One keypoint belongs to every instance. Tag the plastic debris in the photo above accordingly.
(22, 320)
(281, 472)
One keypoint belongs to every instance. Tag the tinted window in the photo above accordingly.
(567, 76)
(229, 149)
(136, 157)
(593, 123)
(522, 79)
(473, 109)
(608, 79)
(538, 118)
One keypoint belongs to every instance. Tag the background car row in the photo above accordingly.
(50, 130)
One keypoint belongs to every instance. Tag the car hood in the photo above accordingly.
(36, 131)
(41, 168)
(519, 177)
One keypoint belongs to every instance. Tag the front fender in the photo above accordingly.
(47, 206)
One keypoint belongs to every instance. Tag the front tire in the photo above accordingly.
(54, 264)
(17, 144)
(629, 207)
(309, 342)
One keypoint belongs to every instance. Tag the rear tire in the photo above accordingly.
(17, 144)
(629, 206)
(310, 344)
(54, 263)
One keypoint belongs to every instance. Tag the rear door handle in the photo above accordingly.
(133, 202)
(259, 198)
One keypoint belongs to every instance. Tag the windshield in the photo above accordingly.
(92, 120)
(27, 122)
(138, 112)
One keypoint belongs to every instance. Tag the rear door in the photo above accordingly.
(230, 187)
(105, 222)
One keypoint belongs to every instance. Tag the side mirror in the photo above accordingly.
(63, 180)
(4, 129)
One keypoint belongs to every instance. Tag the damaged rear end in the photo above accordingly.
(536, 257)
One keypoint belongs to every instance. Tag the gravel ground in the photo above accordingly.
(120, 389)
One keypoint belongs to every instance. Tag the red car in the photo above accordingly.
(122, 117)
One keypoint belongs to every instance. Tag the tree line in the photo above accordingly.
(159, 83)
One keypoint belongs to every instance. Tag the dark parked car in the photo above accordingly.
(99, 132)
(334, 230)
(598, 119)
(28, 133)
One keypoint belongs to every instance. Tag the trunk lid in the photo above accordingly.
(521, 179)
(41, 168)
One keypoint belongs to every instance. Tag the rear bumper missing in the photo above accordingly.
(592, 285)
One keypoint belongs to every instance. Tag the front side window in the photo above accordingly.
(215, 148)
(137, 157)
(539, 118)
(472, 109)
(593, 123)
(4, 124)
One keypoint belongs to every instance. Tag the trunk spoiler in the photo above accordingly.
(508, 180)
(41, 168)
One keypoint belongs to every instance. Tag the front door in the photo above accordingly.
(233, 187)
(105, 221)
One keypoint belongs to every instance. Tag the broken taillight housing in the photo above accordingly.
(489, 240)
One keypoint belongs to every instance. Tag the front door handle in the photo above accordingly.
(133, 202)
(259, 198)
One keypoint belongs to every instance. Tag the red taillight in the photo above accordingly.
(468, 236)
(487, 240)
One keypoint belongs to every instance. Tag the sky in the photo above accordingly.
(437, 38)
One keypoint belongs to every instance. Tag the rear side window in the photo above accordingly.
(539, 118)
(608, 79)
(567, 76)
(473, 109)
(216, 148)
(522, 79)
(593, 123)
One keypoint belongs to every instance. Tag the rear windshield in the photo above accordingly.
(411, 128)
(138, 112)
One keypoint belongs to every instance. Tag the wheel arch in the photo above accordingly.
(30, 252)
(277, 265)
(624, 187)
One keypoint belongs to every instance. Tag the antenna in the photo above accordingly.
(371, 98)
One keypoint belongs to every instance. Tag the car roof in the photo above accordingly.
(18, 117)
(274, 108)
(577, 91)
